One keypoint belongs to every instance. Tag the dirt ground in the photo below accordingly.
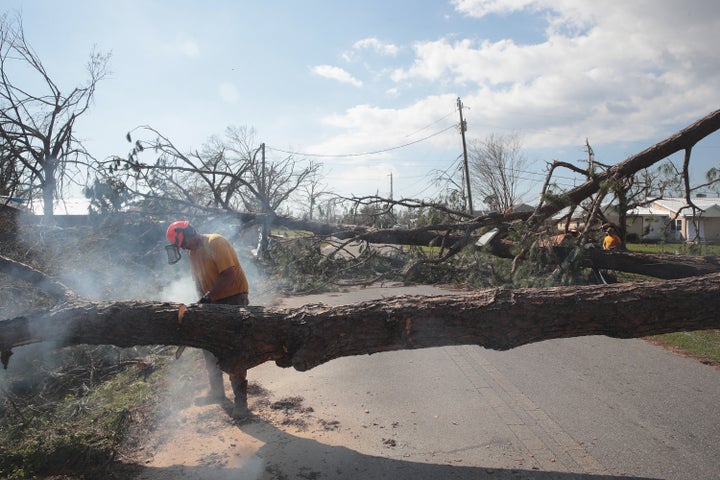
(196, 439)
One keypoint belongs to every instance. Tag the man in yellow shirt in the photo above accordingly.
(219, 278)
(611, 241)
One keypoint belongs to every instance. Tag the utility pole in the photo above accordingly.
(264, 237)
(463, 128)
(262, 181)
(392, 207)
(591, 157)
(391, 187)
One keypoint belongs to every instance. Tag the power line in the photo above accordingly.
(453, 166)
(375, 152)
(430, 124)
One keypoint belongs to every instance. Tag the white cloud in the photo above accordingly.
(382, 48)
(615, 70)
(187, 46)
(229, 93)
(480, 8)
(365, 128)
(336, 73)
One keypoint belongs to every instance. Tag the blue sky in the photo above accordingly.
(331, 80)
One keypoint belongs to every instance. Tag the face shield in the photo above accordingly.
(177, 233)
(173, 253)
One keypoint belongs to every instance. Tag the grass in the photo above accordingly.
(676, 248)
(703, 345)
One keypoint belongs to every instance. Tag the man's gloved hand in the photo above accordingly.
(205, 299)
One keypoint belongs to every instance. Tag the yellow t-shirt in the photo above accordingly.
(611, 242)
(214, 256)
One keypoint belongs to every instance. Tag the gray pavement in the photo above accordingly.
(583, 408)
(636, 407)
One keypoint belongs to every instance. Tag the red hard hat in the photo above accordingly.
(177, 231)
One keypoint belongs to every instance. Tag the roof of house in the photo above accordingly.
(709, 205)
(647, 212)
(14, 203)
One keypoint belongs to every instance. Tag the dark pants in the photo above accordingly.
(238, 380)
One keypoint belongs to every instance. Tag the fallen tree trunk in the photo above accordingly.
(664, 266)
(244, 337)
(658, 265)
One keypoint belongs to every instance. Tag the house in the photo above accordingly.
(576, 221)
(668, 220)
(647, 223)
(672, 220)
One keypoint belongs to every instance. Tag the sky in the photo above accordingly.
(369, 89)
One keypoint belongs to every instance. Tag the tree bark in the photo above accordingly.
(244, 337)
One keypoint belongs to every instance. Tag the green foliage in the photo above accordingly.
(557, 201)
(302, 265)
(298, 265)
(106, 196)
(470, 268)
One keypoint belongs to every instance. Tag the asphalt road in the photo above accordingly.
(583, 408)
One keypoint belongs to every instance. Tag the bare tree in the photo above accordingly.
(313, 193)
(496, 165)
(37, 128)
(229, 174)
(175, 181)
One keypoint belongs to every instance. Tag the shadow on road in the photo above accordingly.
(286, 456)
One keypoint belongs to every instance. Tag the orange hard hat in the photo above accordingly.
(178, 231)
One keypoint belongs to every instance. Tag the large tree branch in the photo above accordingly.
(682, 140)
(303, 338)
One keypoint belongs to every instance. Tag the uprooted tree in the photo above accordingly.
(243, 337)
